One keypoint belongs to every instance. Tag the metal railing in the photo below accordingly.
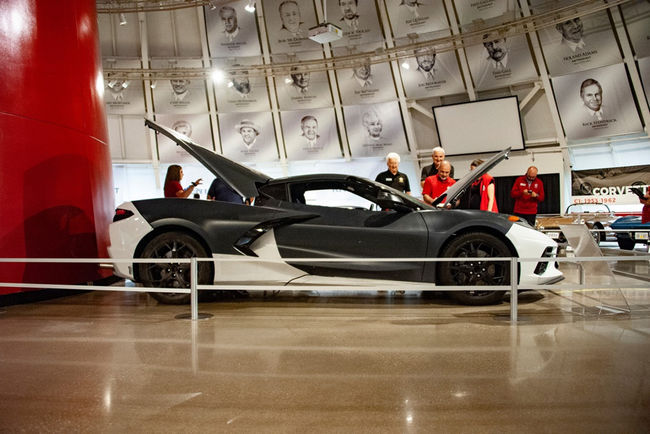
(513, 287)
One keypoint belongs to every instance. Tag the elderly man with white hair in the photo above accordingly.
(392, 177)
(437, 155)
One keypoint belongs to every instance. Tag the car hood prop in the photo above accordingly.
(242, 179)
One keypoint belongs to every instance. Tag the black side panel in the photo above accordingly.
(220, 224)
(341, 232)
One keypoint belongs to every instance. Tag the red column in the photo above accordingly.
(56, 193)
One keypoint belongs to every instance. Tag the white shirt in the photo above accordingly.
(573, 46)
(499, 65)
(363, 82)
(231, 36)
(428, 75)
(597, 115)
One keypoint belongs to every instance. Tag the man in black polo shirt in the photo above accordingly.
(392, 177)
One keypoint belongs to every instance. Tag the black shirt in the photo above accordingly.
(431, 170)
(399, 181)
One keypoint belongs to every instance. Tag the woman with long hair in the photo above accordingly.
(173, 187)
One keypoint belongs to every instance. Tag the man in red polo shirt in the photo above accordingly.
(528, 192)
(437, 184)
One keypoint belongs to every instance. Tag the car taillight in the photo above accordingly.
(121, 214)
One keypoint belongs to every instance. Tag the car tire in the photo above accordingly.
(625, 242)
(164, 275)
(475, 273)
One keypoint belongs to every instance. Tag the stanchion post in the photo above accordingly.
(513, 290)
(581, 280)
(194, 299)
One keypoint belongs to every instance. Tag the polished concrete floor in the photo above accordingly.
(114, 362)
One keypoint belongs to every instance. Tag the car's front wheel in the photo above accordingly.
(171, 245)
(475, 272)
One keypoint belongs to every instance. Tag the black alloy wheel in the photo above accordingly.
(169, 275)
(476, 272)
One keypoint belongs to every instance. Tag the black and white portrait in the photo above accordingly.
(248, 137)
(179, 94)
(372, 123)
(248, 130)
(416, 16)
(579, 44)
(374, 130)
(288, 23)
(310, 134)
(596, 103)
(431, 74)
(301, 88)
(193, 126)
(358, 20)
(240, 83)
(309, 131)
(366, 83)
(241, 91)
(231, 30)
(122, 96)
(499, 62)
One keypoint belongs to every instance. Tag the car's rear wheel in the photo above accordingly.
(475, 272)
(625, 242)
(170, 245)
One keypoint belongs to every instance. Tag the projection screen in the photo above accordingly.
(480, 126)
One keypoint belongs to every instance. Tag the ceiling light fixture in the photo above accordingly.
(288, 80)
(217, 76)
(123, 21)
(153, 84)
(212, 5)
(250, 7)
(406, 65)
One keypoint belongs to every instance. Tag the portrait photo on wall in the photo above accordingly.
(416, 16)
(596, 103)
(365, 83)
(357, 19)
(122, 96)
(248, 137)
(302, 88)
(636, 14)
(491, 11)
(644, 71)
(196, 127)
(431, 74)
(310, 134)
(288, 23)
(500, 62)
(179, 95)
(231, 30)
(578, 44)
(375, 130)
(240, 91)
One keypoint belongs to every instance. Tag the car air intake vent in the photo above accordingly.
(549, 252)
(121, 214)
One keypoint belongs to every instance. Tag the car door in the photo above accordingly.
(350, 229)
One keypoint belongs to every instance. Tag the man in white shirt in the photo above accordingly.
(229, 18)
(349, 11)
(426, 61)
(309, 127)
(412, 6)
(290, 17)
(299, 80)
(363, 75)
(571, 31)
(497, 54)
(591, 93)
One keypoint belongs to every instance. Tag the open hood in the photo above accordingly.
(242, 179)
(461, 185)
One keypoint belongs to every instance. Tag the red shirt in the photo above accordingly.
(172, 187)
(434, 187)
(525, 203)
(645, 212)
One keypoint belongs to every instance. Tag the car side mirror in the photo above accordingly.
(388, 200)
